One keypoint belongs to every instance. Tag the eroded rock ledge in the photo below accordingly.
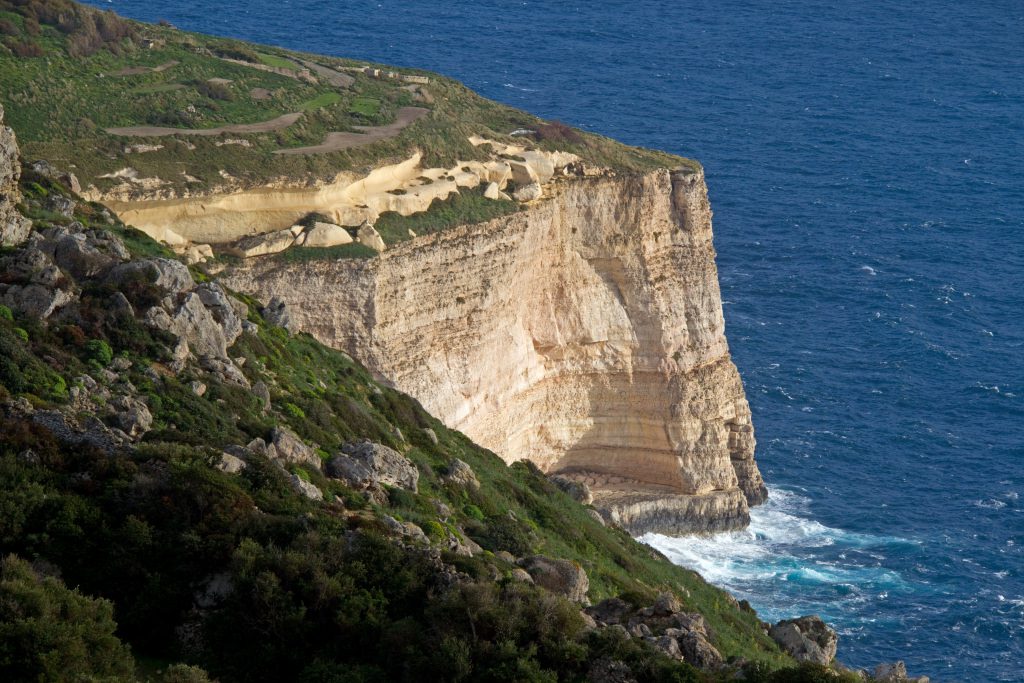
(584, 334)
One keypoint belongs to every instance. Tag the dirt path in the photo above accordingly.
(336, 142)
(261, 127)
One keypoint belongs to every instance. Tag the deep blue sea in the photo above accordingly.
(866, 167)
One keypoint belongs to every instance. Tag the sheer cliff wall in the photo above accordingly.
(584, 333)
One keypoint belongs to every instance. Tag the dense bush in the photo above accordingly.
(51, 633)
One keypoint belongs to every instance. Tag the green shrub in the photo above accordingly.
(434, 530)
(6, 314)
(50, 632)
(22, 333)
(501, 532)
(473, 512)
(294, 411)
(99, 351)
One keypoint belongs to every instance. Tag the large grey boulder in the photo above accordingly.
(308, 489)
(806, 639)
(407, 529)
(291, 449)
(222, 309)
(131, 416)
(668, 645)
(80, 252)
(168, 274)
(462, 475)
(276, 313)
(558, 576)
(351, 471)
(697, 650)
(37, 301)
(385, 465)
(610, 611)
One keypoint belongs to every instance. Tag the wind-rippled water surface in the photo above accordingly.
(865, 166)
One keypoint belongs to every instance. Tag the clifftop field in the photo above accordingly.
(71, 73)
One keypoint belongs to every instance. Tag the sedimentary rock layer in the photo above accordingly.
(584, 334)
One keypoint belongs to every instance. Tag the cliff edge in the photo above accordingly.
(584, 334)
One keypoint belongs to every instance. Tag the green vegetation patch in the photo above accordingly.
(466, 207)
(277, 61)
(353, 250)
(324, 100)
(365, 106)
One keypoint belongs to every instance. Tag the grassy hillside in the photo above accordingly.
(156, 555)
(70, 72)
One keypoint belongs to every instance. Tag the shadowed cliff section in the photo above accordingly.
(584, 334)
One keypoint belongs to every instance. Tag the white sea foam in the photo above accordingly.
(774, 561)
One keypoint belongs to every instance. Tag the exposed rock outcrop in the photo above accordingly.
(806, 639)
(558, 576)
(584, 333)
(366, 464)
(14, 227)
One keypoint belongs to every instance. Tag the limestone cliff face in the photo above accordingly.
(584, 334)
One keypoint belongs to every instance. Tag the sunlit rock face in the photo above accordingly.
(584, 333)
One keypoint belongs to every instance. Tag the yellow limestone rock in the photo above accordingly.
(584, 333)
(262, 245)
(369, 237)
(327, 235)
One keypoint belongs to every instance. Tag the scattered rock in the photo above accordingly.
(558, 576)
(197, 387)
(597, 516)
(806, 639)
(461, 474)
(430, 435)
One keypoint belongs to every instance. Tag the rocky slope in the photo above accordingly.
(584, 334)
